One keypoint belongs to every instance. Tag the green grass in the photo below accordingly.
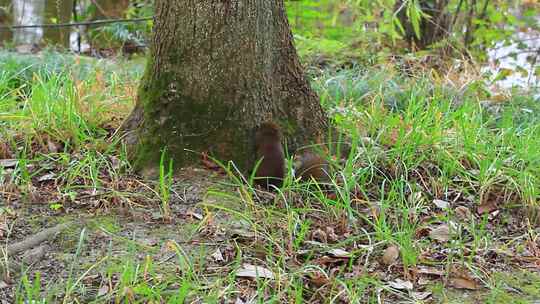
(420, 125)
(412, 140)
(63, 99)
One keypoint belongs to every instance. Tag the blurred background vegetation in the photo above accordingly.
(341, 31)
(500, 37)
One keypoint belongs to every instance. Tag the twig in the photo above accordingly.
(36, 239)
(32, 256)
(484, 10)
(514, 41)
(456, 14)
(470, 17)
(6, 268)
(533, 64)
(99, 8)
(96, 22)
(75, 18)
(525, 51)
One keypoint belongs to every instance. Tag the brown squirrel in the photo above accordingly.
(311, 166)
(271, 169)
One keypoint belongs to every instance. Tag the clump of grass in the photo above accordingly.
(165, 184)
(59, 100)
(425, 126)
(57, 113)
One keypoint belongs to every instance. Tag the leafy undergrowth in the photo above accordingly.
(434, 200)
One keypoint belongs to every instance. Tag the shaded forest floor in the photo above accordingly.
(437, 200)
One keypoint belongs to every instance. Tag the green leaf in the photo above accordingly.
(55, 206)
(522, 71)
(414, 12)
(503, 74)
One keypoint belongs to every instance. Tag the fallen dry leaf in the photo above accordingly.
(422, 232)
(3, 285)
(319, 279)
(5, 151)
(47, 177)
(195, 215)
(252, 271)
(391, 254)
(401, 284)
(319, 235)
(430, 270)
(440, 233)
(239, 301)
(422, 281)
(8, 163)
(53, 147)
(103, 290)
(487, 207)
(339, 253)
(463, 283)
(419, 296)
(217, 256)
(326, 260)
(441, 204)
(463, 213)
(331, 234)
(242, 233)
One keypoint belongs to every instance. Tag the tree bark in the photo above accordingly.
(28, 12)
(58, 11)
(107, 9)
(217, 69)
(6, 19)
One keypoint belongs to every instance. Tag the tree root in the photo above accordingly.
(25, 245)
(36, 239)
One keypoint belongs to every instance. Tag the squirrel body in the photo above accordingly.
(311, 166)
(270, 173)
(271, 170)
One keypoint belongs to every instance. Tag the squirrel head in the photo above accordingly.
(268, 131)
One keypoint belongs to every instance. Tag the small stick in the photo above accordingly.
(36, 239)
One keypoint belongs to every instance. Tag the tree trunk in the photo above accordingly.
(217, 69)
(58, 11)
(6, 19)
(24, 13)
(107, 9)
(433, 28)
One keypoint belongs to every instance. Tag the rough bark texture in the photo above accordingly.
(6, 19)
(217, 70)
(58, 11)
(107, 9)
(28, 12)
